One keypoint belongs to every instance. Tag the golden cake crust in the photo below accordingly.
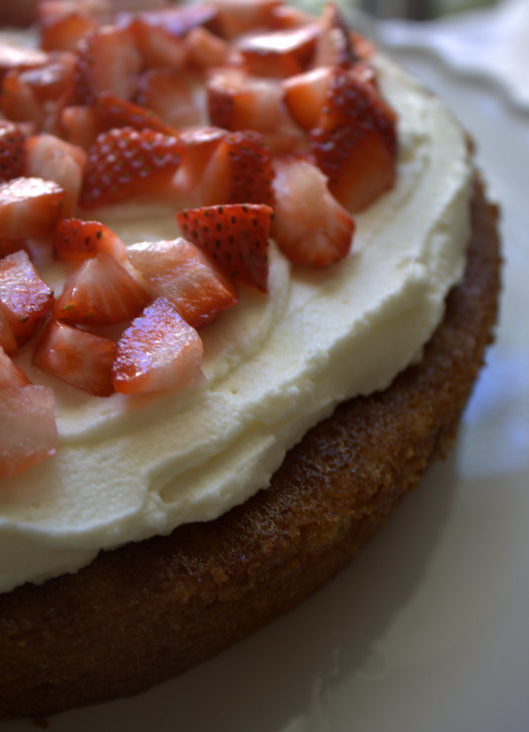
(147, 611)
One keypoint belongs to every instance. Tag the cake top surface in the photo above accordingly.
(307, 319)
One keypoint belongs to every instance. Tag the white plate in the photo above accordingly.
(429, 628)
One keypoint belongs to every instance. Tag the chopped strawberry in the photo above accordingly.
(29, 207)
(354, 143)
(159, 47)
(10, 374)
(7, 339)
(196, 180)
(28, 434)
(182, 273)
(24, 297)
(334, 46)
(305, 95)
(278, 53)
(100, 291)
(207, 50)
(81, 359)
(287, 16)
(16, 57)
(40, 93)
(237, 101)
(108, 62)
(64, 22)
(79, 126)
(309, 225)
(53, 159)
(240, 16)
(235, 236)
(76, 240)
(125, 162)
(241, 169)
(113, 112)
(158, 352)
(12, 150)
(170, 95)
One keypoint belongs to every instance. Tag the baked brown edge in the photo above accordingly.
(143, 613)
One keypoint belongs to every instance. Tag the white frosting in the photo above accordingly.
(129, 468)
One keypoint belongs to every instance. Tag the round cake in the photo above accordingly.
(167, 522)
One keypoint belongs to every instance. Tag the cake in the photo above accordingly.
(167, 522)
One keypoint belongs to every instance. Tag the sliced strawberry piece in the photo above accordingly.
(169, 94)
(334, 46)
(355, 142)
(53, 159)
(79, 125)
(12, 150)
(158, 352)
(100, 291)
(240, 171)
(16, 58)
(279, 53)
(108, 62)
(28, 434)
(24, 297)
(240, 16)
(112, 112)
(237, 101)
(206, 50)
(235, 236)
(7, 339)
(10, 374)
(29, 207)
(76, 240)
(309, 225)
(182, 273)
(199, 180)
(305, 95)
(158, 46)
(64, 22)
(286, 16)
(125, 162)
(82, 359)
(40, 93)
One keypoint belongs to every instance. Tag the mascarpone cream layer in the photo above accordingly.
(129, 468)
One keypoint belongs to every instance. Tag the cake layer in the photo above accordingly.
(130, 468)
(140, 614)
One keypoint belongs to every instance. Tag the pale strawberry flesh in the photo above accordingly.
(28, 434)
(82, 359)
(100, 292)
(181, 272)
(158, 352)
(24, 297)
(29, 207)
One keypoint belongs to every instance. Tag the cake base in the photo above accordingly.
(145, 612)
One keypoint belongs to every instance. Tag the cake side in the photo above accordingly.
(145, 612)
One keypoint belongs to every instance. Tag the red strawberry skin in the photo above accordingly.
(75, 240)
(24, 298)
(82, 359)
(355, 142)
(100, 292)
(158, 352)
(235, 236)
(12, 150)
(125, 162)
